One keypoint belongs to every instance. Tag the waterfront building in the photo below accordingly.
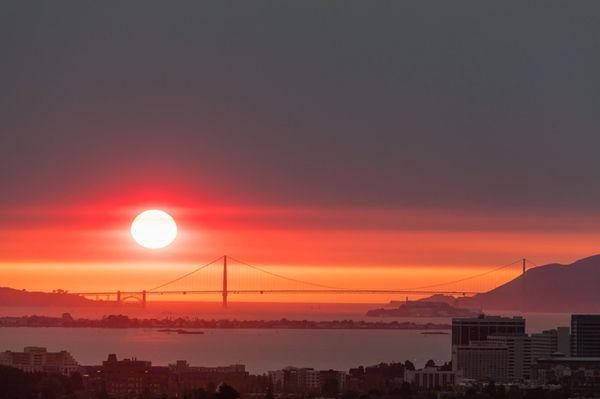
(332, 380)
(481, 360)
(295, 380)
(585, 335)
(465, 330)
(431, 378)
(183, 366)
(187, 377)
(519, 354)
(306, 380)
(131, 377)
(37, 359)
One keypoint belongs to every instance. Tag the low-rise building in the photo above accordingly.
(128, 378)
(307, 380)
(431, 378)
(37, 359)
(332, 381)
(574, 372)
(186, 377)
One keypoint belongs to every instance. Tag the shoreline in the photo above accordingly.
(124, 322)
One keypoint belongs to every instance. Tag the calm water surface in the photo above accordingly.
(259, 350)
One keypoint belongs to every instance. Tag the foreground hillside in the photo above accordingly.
(550, 288)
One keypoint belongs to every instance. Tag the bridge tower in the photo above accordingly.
(524, 285)
(144, 298)
(225, 281)
(118, 297)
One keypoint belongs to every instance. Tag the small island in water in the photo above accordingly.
(180, 331)
(423, 309)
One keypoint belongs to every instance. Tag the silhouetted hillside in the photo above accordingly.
(449, 299)
(12, 297)
(548, 288)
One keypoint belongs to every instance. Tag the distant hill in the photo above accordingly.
(449, 299)
(12, 297)
(549, 288)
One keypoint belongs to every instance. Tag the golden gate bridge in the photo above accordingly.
(216, 278)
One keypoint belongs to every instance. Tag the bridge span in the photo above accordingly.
(310, 288)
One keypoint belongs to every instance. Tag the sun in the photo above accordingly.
(154, 229)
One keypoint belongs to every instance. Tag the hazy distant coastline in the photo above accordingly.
(122, 321)
(14, 297)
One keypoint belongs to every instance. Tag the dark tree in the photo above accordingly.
(76, 381)
(350, 395)
(405, 391)
(447, 366)
(101, 394)
(408, 365)
(330, 387)
(490, 389)
(430, 363)
(201, 393)
(17, 384)
(226, 391)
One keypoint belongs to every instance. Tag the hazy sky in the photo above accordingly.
(471, 109)
(378, 103)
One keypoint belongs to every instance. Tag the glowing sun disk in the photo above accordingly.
(154, 229)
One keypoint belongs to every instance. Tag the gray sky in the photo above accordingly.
(426, 103)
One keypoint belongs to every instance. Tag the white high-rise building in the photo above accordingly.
(519, 354)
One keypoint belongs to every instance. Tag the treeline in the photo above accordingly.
(17, 384)
(485, 391)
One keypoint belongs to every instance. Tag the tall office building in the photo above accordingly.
(465, 330)
(585, 335)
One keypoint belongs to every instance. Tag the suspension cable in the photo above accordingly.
(532, 262)
(284, 277)
(464, 279)
(186, 275)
